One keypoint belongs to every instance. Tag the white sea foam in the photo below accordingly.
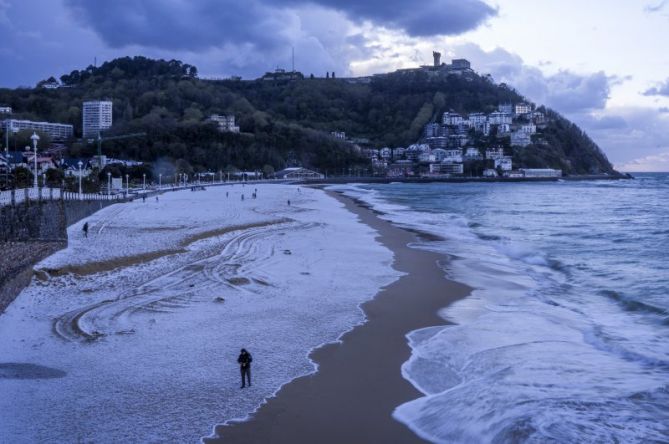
(148, 351)
(532, 357)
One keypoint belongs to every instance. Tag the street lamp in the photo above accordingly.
(108, 183)
(144, 181)
(160, 180)
(35, 139)
(127, 183)
(80, 164)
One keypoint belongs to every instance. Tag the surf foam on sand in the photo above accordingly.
(145, 350)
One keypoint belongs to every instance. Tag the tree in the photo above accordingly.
(23, 139)
(268, 171)
(23, 177)
(55, 177)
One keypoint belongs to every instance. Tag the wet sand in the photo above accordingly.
(359, 383)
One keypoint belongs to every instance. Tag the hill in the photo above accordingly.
(283, 122)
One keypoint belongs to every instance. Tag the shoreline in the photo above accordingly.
(428, 180)
(345, 402)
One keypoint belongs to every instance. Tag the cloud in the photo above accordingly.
(185, 25)
(265, 24)
(428, 18)
(565, 91)
(655, 7)
(656, 163)
(661, 89)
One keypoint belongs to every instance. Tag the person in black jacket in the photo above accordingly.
(244, 361)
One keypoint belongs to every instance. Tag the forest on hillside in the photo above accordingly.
(282, 122)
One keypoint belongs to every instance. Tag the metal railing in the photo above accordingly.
(27, 195)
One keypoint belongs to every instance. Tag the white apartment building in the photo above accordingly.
(529, 128)
(504, 163)
(520, 138)
(506, 108)
(57, 131)
(522, 108)
(97, 117)
(426, 157)
(477, 119)
(398, 152)
(453, 156)
(446, 168)
(386, 153)
(494, 153)
(226, 123)
(452, 119)
(5, 109)
(432, 130)
(543, 172)
(504, 128)
(472, 153)
(499, 118)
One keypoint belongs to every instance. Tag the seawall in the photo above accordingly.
(31, 231)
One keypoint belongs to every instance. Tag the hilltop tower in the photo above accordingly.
(437, 59)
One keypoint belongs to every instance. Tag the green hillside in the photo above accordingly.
(281, 121)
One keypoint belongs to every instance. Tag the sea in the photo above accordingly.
(565, 336)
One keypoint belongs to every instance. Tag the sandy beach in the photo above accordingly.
(359, 383)
(132, 334)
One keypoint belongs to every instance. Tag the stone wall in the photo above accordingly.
(32, 231)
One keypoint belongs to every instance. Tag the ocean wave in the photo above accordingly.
(541, 351)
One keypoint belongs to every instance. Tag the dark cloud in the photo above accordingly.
(426, 18)
(197, 25)
(661, 89)
(184, 25)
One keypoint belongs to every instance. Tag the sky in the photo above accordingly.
(601, 63)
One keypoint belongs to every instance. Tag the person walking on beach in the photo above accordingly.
(244, 361)
(85, 229)
(288, 202)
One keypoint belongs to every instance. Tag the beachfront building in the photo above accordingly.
(446, 169)
(57, 131)
(226, 123)
(504, 163)
(540, 172)
(97, 117)
(472, 153)
(401, 168)
(339, 135)
(5, 109)
(298, 173)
